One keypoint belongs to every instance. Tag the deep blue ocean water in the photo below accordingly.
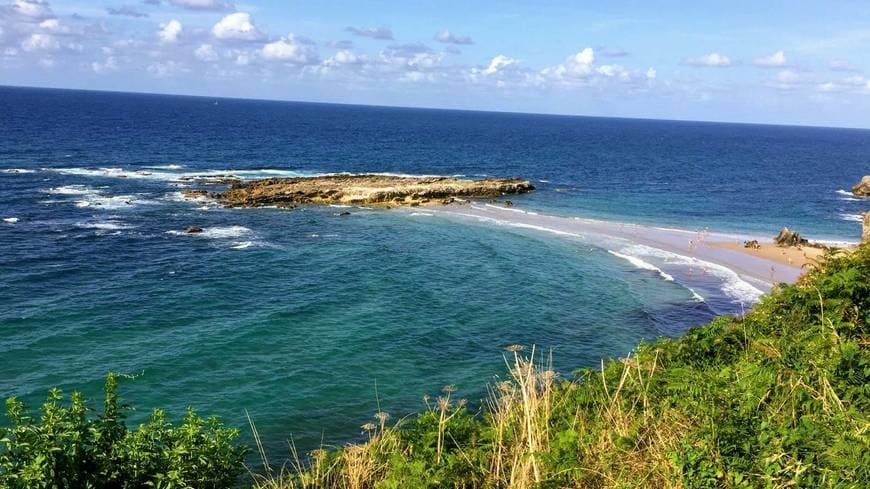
(307, 320)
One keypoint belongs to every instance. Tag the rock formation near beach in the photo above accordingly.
(376, 190)
(865, 228)
(862, 188)
(787, 237)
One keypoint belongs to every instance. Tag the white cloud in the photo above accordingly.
(206, 52)
(710, 59)
(576, 66)
(31, 9)
(498, 63)
(776, 59)
(290, 49)
(651, 74)
(236, 26)
(169, 31)
(109, 65)
(787, 76)
(345, 57)
(40, 42)
(380, 33)
(202, 4)
(448, 37)
(53, 25)
(841, 65)
(165, 69)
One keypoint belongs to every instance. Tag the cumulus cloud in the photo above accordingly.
(710, 59)
(290, 49)
(110, 64)
(499, 63)
(40, 42)
(206, 52)
(29, 10)
(213, 5)
(775, 60)
(448, 37)
(237, 26)
(169, 31)
(579, 65)
(345, 57)
(126, 11)
(380, 33)
(414, 56)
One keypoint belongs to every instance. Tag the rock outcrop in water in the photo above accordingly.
(862, 188)
(377, 190)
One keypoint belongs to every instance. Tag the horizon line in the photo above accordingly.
(445, 109)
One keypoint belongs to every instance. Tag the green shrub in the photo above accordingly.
(67, 447)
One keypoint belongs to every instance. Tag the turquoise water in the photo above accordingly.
(306, 319)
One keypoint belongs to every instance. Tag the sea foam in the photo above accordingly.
(637, 262)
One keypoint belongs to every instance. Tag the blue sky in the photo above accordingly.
(770, 61)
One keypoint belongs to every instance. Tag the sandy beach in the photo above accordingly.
(791, 255)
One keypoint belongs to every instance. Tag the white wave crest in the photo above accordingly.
(732, 285)
(10, 220)
(71, 190)
(852, 217)
(637, 262)
(166, 167)
(695, 295)
(226, 232)
(114, 202)
(104, 225)
(16, 170)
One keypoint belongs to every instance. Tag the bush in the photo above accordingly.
(68, 448)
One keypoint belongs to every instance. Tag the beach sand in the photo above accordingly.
(791, 256)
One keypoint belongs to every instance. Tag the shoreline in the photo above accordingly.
(744, 273)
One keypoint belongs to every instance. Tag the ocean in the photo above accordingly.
(310, 321)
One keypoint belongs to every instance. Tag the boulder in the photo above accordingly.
(865, 230)
(753, 244)
(787, 237)
(862, 188)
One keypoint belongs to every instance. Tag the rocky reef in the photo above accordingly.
(372, 190)
(862, 188)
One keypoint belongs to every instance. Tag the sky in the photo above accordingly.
(785, 62)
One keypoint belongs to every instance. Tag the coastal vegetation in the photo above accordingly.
(777, 397)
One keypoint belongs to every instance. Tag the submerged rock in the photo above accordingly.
(787, 237)
(193, 194)
(381, 190)
(193, 230)
(862, 188)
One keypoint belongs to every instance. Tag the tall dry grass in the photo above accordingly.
(520, 411)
